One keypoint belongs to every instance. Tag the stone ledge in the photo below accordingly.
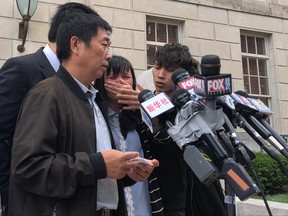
(255, 207)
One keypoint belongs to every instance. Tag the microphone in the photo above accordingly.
(199, 112)
(248, 113)
(243, 154)
(262, 114)
(183, 80)
(211, 85)
(279, 138)
(262, 110)
(181, 97)
(202, 167)
(193, 124)
(205, 171)
(157, 111)
(266, 147)
(267, 135)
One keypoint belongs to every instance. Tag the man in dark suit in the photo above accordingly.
(17, 76)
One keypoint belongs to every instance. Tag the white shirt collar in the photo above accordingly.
(52, 58)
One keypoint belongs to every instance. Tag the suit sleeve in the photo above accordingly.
(40, 163)
(13, 82)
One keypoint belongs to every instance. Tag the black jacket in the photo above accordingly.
(17, 76)
(54, 159)
(172, 170)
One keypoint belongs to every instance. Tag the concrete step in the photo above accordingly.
(256, 207)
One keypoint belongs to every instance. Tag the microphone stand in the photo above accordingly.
(229, 199)
(210, 69)
(258, 139)
(239, 146)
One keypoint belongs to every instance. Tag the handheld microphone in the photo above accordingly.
(191, 125)
(249, 112)
(279, 138)
(183, 80)
(262, 114)
(210, 86)
(243, 154)
(259, 140)
(263, 111)
(181, 97)
(267, 135)
(205, 171)
(156, 110)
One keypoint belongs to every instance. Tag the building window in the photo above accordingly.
(255, 66)
(159, 33)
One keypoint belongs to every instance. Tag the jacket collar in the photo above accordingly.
(65, 76)
(47, 70)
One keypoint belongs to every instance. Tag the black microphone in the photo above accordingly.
(262, 114)
(180, 75)
(243, 154)
(181, 97)
(157, 111)
(210, 86)
(210, 68)
(259, 140)
(248, 113)
(183, 80)
(201, 165)
(192, 125)
(210, 65)
(274, 133)
(267, 135)
(145, 95)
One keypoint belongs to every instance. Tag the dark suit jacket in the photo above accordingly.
(17, 76)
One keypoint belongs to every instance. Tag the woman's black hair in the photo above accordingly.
(118, 65)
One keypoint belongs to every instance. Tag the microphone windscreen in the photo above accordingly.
(145, 95)
(181, 97)
(210, 65)
(179, 75)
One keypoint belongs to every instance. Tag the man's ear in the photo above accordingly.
(74, 43)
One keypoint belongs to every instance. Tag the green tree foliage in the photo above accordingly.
(270, 175)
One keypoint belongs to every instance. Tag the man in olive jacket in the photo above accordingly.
(62, 147)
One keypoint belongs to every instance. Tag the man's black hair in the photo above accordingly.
(195, 67)
(62, 12)
(82, 25)
(172, 56)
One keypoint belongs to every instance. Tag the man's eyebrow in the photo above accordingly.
(108, 39)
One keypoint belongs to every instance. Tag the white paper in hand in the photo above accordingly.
(142, 160)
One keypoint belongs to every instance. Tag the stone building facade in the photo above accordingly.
(221, 27)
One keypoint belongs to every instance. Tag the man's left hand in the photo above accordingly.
(142, 171)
